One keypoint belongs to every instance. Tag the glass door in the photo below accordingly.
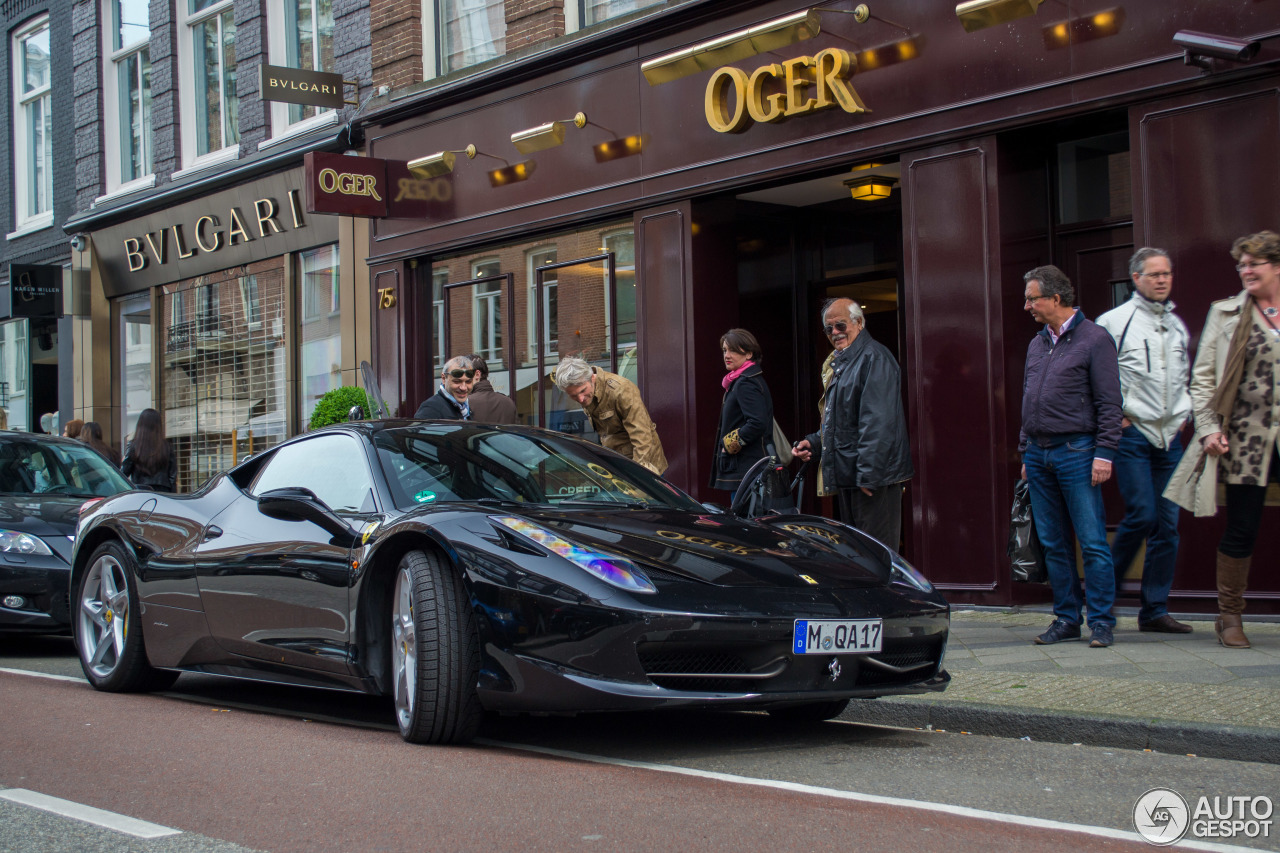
(475, 317)
(136, 392)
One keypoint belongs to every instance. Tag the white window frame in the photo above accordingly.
(113, 129)
(439, 278)
(187, 92)
(605, 237)
(278, 47)
(491, 354)
(25, 219)
(534, 258)
(432, 54)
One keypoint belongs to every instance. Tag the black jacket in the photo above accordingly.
(160, 481)
(863, 442)
(748, 408)
(440, 405)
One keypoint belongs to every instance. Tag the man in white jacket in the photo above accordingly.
(1154, 370)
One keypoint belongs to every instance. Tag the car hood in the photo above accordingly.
(720, 549)
(51, 517)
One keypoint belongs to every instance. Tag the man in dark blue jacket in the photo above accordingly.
(1070, 433)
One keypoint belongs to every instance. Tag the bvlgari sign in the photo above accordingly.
(246, 223)
(780, 90)
(296, 86)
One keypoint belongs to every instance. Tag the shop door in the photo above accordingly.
(476, 317)
(574, 312)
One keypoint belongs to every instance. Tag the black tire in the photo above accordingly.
(812, 712)
(110, 644)
(435, 659)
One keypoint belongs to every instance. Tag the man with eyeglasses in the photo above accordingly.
(862, 445)
(1152, 347)
(450, 400)
(1070, 433)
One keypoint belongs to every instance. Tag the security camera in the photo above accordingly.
(78, 243)
(1198, 45)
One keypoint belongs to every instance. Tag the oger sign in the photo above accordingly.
(777, 91)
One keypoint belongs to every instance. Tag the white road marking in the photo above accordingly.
(944, 808)
(87, 814)
(75, 678)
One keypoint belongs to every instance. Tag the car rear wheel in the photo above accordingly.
(813, 712)
(435, 653)
(108, 626)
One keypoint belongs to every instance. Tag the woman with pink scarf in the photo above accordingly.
(746, 415)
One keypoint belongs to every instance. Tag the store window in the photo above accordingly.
(468, 32)
(136, 363)
(487, 313)
(32, 127)
(14, 362)
(224, 391)
(320, 340)
(211, 124)
(127, 87)
(301, 36)
(439, 278)
(550, 321)
(595, 11)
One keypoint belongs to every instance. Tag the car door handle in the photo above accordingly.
(212, 532)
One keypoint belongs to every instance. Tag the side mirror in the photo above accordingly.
(298, 504)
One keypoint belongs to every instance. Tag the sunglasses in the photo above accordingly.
(835, 327)
(458, 373)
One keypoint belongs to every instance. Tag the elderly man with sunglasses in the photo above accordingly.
(450, 400)
(862, 445)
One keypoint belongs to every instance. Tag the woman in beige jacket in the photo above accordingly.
(1236, 395)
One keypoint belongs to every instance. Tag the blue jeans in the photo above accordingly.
(1062, 495)
(1142, 472)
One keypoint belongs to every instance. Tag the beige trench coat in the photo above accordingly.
(620, 417)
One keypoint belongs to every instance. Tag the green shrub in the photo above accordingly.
(332, 408)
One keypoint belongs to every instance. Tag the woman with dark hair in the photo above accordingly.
(91, 434)
(746, 415)
(148, 459)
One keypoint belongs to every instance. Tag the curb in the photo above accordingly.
(1173, 737)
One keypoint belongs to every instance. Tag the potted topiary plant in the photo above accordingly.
(332, 408)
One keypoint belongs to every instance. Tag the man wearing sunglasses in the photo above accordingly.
(450, 400)
(862, 445)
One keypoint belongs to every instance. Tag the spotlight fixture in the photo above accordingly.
(870, 187)
(545, 136)
(979, 14)
(440, 163)
(732, 47)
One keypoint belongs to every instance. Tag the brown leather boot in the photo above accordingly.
(1233, 579)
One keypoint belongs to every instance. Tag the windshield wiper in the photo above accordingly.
(609, 504)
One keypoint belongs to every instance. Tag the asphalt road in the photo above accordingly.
(232, 764)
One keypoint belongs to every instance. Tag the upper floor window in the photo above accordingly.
(595, 11)
(211, 116)
(468, 32)
(127, 88)
(301, 36)
(32, 126)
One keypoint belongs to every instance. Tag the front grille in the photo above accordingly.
(908, 653)
(692, 662)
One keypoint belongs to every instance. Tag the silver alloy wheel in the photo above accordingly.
(104, 615)
(404, 640)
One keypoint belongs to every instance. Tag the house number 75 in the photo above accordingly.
(386, 297)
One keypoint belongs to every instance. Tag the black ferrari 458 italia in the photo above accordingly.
(461, 568)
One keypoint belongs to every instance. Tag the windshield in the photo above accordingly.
(430, 463)
(30, 467)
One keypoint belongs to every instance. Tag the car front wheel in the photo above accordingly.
(108, 626)
(435, 653)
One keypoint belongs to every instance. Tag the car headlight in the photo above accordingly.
(610, 568)
(904, 573)
(15, 542)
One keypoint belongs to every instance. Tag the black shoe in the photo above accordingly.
(1060, 630)
(1101, 637)
(1165, 624)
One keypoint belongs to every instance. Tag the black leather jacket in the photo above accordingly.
(160, 481)
(863, 442)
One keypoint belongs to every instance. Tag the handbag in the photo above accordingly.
(1025, 553)
(1194, 483)
(781, 445)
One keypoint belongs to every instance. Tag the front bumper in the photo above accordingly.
(41, 582)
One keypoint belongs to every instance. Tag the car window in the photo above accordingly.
(333, 467)
(30, 466)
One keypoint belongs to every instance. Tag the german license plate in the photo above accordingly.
(837, 636)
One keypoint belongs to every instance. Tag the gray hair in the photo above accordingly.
(458, 362)
(1140, 257)
(1053, 282)
(571, 372)
(855, 310)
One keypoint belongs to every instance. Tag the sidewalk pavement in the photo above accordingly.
(1172, 693)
